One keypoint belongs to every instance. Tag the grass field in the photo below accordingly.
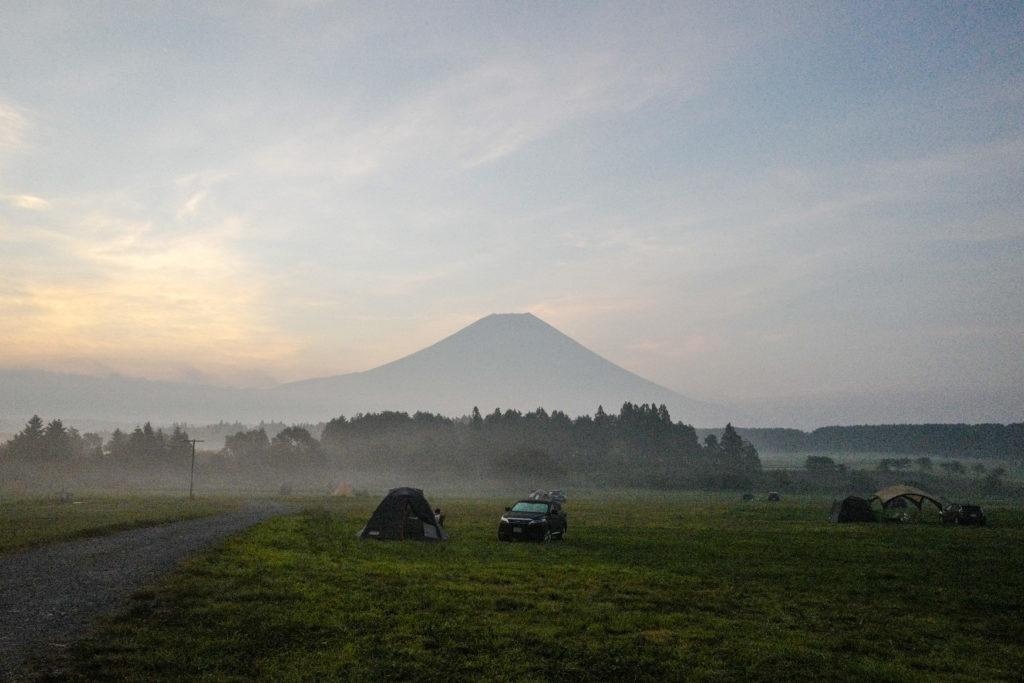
(647, 587)
(27, 523)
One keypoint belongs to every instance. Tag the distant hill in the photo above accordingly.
(507, 361)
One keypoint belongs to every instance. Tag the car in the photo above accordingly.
(964, 515)
(533, 520)
(971, 515)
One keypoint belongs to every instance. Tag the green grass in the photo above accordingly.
(647, 587)
(27, 523)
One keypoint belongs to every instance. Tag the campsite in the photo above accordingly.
(650, 586)
(893, 504)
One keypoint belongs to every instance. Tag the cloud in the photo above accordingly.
(190, 205)
(13, 125)
(25, 201)
(474, 117)
(98, 286)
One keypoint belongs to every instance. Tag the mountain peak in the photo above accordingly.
(507, 322)
(504, 360)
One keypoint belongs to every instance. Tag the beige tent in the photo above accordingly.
(914, 495)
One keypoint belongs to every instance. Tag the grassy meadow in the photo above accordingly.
(30, 522)
(648, 586)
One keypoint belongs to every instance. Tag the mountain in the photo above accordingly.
(506, 361)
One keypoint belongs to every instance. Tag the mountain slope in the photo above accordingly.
(506, 361)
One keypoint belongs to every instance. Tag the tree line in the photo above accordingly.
(934, 440)
(639, 446)
(53, 443)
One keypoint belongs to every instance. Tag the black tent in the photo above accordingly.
(852, 509)
(404, 514)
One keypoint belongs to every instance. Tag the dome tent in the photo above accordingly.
(852, 509)
(914, 495)
(404, 514)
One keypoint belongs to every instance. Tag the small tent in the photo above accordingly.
(852, 509)
(404, 514)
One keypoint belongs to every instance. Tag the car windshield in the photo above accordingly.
(529, 506)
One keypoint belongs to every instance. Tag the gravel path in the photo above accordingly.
(51, 597)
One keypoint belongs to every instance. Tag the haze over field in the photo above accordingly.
(807, 213)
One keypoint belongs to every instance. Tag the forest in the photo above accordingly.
(995, 441)
(639, 446)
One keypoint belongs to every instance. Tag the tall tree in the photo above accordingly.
(251, 447)
(295, 447)
(56, 441)
(178, 445)
(731, 443)
(118, 446)
(29, 442)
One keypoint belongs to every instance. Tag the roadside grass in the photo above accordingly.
(32, 522)
(651, 587)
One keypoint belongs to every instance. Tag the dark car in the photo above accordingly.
(965, 515)
(971, 515)
(533, 520)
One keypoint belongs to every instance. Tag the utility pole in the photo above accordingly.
(192, 474)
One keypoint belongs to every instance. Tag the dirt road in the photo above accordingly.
(51, 597)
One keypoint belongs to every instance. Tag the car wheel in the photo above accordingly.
(547, 535)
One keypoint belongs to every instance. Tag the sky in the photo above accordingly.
(754, 203)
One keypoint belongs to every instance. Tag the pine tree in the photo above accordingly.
(29, 442)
